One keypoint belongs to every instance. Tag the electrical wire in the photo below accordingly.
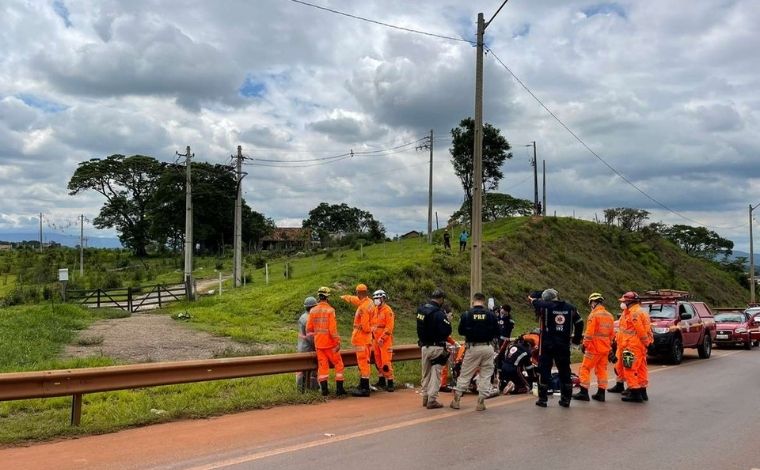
(368, 20)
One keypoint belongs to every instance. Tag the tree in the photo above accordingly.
(495, 152)
(255, 226)
(326, 219)
(699, 241)
(496, 206)
(627, 218)
(128, 184)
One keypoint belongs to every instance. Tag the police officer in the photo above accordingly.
(478, 326)
(558, 321)
(516, 360)
(506, 324)
(433, 328)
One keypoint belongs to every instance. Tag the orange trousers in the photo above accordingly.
(383, 359)
(362, 360)
(597, 363)
(643, 373)
(637, 375)
(325, 357)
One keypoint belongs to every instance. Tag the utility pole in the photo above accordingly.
(543, 205)
(81, 245)
(188, 224)
(535, 181)
(40, 232)
(237, 268)
(429, 145)
(477, 166)
(751, 258)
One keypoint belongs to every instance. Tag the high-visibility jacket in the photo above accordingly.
(383, 323)
(362, 332)
(600, 330)
(633, 333)
(322, 324)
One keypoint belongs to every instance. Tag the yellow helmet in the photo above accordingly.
(361, 288)
(595, 296)
(324, 291)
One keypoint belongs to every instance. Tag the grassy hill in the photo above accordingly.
(520, 255)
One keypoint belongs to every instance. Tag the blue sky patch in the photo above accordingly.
(40, 103)
(252, 88)
(60, 9)
(605, 9)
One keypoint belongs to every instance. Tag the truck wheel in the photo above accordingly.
(705, 349)
(676, 350)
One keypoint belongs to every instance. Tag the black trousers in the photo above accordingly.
(558, 355)
(511, 373)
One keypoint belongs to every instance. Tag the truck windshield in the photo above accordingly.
(661, 310)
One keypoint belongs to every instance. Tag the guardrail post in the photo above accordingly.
(129, 299)
(76, 409)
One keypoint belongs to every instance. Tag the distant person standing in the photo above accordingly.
(447, 240)
(306, 379)
(463, 240)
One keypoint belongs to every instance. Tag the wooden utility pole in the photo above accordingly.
(188, 224)
(237, 265)
(535, 181)
(40, 231)
(81, 245)
(543, 206)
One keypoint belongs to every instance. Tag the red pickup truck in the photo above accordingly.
(678, 323)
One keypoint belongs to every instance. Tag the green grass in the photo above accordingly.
(7, 284)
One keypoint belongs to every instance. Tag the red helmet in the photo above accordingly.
(629, 297)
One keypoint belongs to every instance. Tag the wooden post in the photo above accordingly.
(129, 299)
(266, 273)
(220, 283)
(76, 409)
(98, 298)
(158, 287)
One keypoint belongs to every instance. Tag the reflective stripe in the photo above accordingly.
(519, 358)
(628, 332)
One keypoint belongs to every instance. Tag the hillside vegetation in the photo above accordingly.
(520, 255)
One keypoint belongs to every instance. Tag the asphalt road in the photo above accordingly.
(703, 414)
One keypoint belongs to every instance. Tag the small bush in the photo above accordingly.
(90, 341)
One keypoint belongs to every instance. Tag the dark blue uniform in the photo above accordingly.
(433, 326)
(559, 323)
(478, 325)
(516, 360)
(506, 325)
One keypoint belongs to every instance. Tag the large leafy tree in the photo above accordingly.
(328, 219)
(495, 153)
(496, 206)
(699, 241)
(128, 184)
(626, 218)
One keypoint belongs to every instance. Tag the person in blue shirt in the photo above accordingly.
(463, 240)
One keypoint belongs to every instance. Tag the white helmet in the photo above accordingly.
(379, 294)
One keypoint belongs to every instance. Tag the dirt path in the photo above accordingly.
(150, 338)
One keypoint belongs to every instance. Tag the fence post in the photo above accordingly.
(98, 298)
(76, 409)
(159, 295)
(266, 273)
(220, 283)
(129, 299)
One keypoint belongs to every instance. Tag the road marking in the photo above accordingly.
(390, 427)
(345, 437)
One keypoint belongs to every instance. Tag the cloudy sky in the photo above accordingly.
(666, 92)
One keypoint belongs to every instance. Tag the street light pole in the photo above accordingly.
(751, 258)
(476, 267)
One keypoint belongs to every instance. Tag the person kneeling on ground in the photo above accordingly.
(517, 358)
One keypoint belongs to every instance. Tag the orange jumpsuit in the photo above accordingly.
(445, 370)
(597, 343)
(634, 337)
(648, 326)
(361, 337)
(382, 332)
(323, 326)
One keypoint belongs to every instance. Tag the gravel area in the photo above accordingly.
(151, 338)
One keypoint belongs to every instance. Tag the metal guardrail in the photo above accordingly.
(77, 382)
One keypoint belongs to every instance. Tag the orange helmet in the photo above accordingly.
(629, 297)
(361, 288)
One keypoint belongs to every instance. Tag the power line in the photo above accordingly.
(368, 20)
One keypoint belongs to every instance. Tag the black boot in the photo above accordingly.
(644, 395)
(543, 398)
(339, 390)
(599, 395)
(566, 392)
(634, 397)
(362, 390)
(618, 388)
(582, 395)
(323, 386)
(391, 387)
(380, 382)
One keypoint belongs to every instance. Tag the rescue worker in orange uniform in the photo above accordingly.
(596, 347)
(361, 336)
(616, 356)
(382, 332)
(633, 339)
(323, 326)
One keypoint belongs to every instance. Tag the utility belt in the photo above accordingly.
(469, 344)
(441, 344)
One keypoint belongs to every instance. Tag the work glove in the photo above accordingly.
(583, 348)
(611, 356)
(381, 341)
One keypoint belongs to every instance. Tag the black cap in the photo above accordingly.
(438, 294)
